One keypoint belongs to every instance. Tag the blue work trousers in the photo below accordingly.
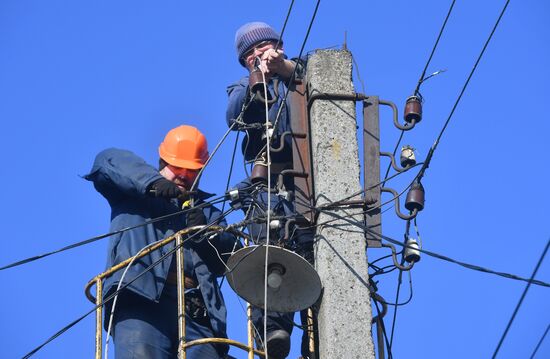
(147, 330)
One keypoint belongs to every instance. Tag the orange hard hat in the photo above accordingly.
(184, 147)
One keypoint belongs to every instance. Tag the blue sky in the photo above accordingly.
(77, 77)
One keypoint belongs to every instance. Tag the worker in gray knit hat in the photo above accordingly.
(260, 50)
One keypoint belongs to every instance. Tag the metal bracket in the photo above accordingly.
(407, 126)
(393, 164)
(414, 212)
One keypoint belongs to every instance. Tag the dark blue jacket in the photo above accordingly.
(123, 179)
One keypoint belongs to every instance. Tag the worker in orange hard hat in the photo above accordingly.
(144, 320)
(183, 153)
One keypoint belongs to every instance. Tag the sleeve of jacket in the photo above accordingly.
(221, 244)
(117, 172)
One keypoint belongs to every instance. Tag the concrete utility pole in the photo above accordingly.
(344, 319)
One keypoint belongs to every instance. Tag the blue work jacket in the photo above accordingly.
(123, 179)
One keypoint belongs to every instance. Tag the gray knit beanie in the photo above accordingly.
(250, 34)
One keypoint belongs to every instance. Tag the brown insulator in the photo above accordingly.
(259, 172)
(415, 197)
(413, 109)
(256, 81)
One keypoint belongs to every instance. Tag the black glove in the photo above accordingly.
(195, 217)
(166, 189)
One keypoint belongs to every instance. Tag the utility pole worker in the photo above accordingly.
(145, 317)
(257, 51)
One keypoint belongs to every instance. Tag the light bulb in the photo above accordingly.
(274, 280)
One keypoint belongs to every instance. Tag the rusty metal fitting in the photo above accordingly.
(413, 109)
(415, 197)
(407, 157)
(412, 251)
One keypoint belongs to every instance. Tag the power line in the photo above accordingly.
(521, 299)
(284, 26)
(283, 103)
(540, 342)
(115, 293)
(421, 79)
(436, 143)
(430, 253)
(96, 238)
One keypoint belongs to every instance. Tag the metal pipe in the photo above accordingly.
(98, 320)
(334, 97)
(394, 257)
(145, 252)
(181, 297)
(392, 158)
(311, 333)
(290, 172)
(282, 140)
(395, 115)
(414, 212)
(98, 281)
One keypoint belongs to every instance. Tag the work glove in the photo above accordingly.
(166, 189)
(195, 217)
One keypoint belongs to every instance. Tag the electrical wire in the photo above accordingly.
(436, 143)
(540, 342)
(430, 253)
(280, 40)
(112, 314)
(287, 91)
(112, 295)
(231, 166)
(421, 79)
(388, 346)
(102, 236)
(268, 214)
(196, 181)
(522, 298)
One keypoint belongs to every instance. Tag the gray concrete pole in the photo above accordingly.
(344, 319)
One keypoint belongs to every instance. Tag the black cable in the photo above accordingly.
(521, 299)
(540, 342)
(284, 26)
(388, 346)
(283, 102)
(411, 293)
(430, 253)
(231, 167)
(115, 293)
(436, 143)
(93, 239)
(421, 79)
(396, 301)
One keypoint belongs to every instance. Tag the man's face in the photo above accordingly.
(183, 177)
(256, 51)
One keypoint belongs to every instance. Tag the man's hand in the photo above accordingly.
(195, 217)
(166, 189)
(273, 62)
